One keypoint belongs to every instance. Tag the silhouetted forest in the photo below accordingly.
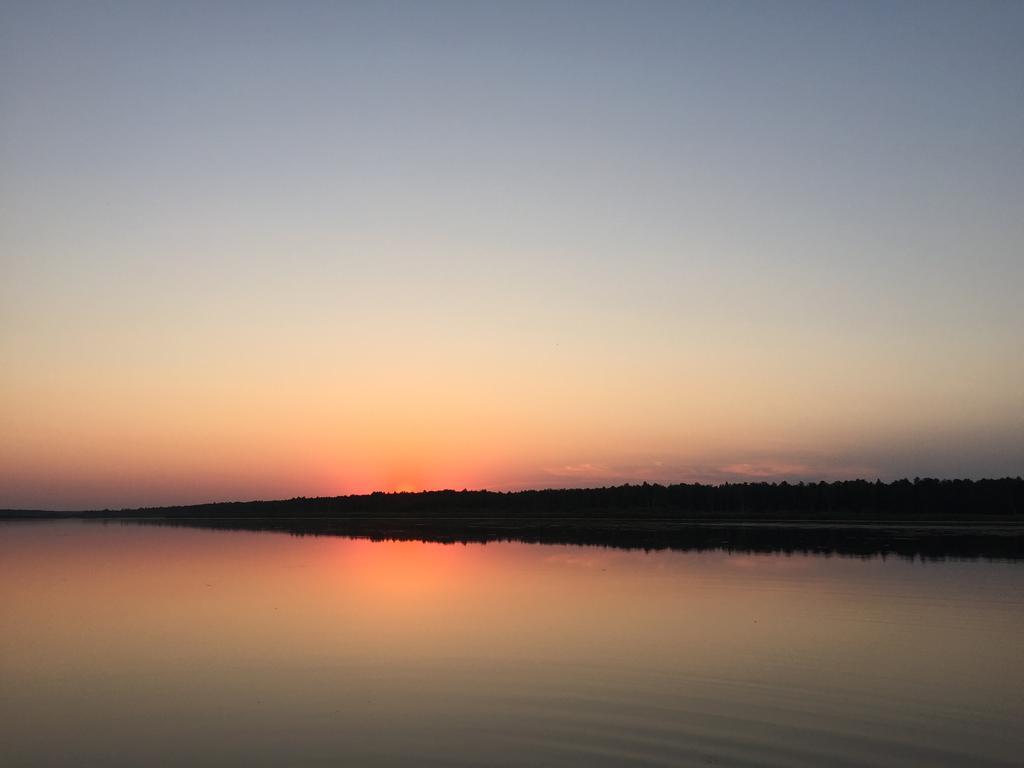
(918, 499)
(919, 518)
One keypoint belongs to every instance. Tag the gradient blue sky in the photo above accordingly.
(268, 249)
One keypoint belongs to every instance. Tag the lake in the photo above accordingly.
(129, 645)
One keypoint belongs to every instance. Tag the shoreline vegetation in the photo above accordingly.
(924, 518)
(919, 499)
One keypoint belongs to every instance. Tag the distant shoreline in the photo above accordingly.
(918, 500)
(926, 519)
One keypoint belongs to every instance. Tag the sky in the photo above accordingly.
(262, 250)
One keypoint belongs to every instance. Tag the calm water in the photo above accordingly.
(131, 645)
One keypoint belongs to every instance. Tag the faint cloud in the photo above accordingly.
(577, 470)
(766, 470)
(608, 473)
(771, 469)
(665, 470)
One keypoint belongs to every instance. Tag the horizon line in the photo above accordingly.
(573, 489)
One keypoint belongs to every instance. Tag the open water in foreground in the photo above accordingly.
(126, 645)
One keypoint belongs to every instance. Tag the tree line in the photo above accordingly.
(917, 499)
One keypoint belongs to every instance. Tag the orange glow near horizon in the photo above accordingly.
(204, 419)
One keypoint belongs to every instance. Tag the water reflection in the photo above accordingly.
(934, 541)
(129, 645)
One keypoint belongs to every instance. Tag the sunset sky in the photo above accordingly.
(260, 250)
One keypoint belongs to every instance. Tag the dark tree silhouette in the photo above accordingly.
(923, 517)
